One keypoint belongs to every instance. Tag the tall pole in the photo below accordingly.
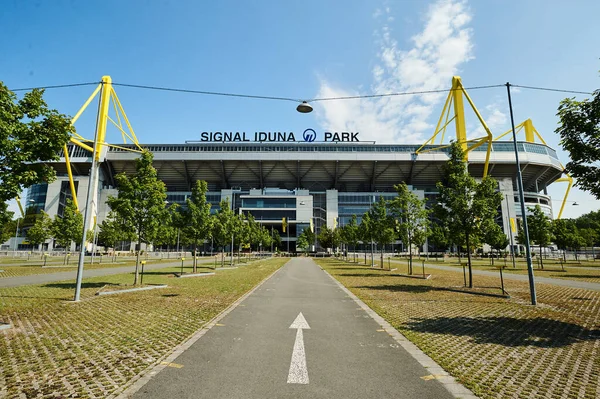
(178, 240)
(103, 104)
(510, 233)
(522, 201)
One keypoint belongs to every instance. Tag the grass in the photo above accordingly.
(499, 348)
(91, 348)
(572, 270)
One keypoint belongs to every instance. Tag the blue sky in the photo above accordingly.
(305, 50)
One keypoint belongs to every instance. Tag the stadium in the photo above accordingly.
(276, 175)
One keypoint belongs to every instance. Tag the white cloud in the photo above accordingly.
(436, 53)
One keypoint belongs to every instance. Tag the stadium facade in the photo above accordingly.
(327, 182)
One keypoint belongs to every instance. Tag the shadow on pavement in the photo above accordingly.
(508, 331)
(427, 288)
(71, 286)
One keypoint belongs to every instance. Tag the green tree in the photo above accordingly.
(412, 219)
(350, 234)
(6, 217)
(276, 239)
(303, 243)
(112, 231)
(589, 237)
(365, 233)
(31, 135)
(41, 229)
(382, 225)
(223, 227)
(579, 130)
(197, 217)
(561, 229)
(464, 204)
(576, 241)
(439, 236)
(68, 227)
(328, 238)
(494, 236)
(140, 203)
(540, 229)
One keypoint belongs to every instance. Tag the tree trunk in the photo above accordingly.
(195, 263)
(541, 258)
(137, 263)
(223, 257)
(469, 260)
(381, 256)
(410, 257)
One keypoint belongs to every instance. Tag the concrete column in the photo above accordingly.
(331, 201)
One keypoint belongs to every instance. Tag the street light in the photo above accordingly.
(304, 108)
(522, 201)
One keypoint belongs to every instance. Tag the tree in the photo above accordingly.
(589, 237)
(41, 229)
(464, 204)
(223, 225)
(140, 203)
(576, 241)
(303, 243)
(197, 217)
(579, 130)
(382, 225)
(328, 238)
(412, 218)
(365, 233)
(112, 231)
(561, 229)
(31, 135)
(350, 234)
(68, 227)
(6, 230)
(439, 235)
(276, 238)
(494, 236)
(539, 228)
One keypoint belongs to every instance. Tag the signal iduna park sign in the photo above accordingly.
(308, 136)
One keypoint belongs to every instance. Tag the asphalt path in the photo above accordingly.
(35, 279)
(253, 352)
(512, 276)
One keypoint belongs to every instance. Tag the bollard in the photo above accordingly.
(28, 255)
(142, 275)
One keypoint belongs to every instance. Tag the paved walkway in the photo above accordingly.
(7, 282)
(512, 276)
(264, 348)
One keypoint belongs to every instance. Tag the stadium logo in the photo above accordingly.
(309, 135)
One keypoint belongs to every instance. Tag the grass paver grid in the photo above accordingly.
(28, 270)
(91, 348)
(572, 271)
(499, 348)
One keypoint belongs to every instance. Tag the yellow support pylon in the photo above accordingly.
(108, 95)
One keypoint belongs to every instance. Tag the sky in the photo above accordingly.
(307, 50)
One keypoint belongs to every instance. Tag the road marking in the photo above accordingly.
(175, 365)
(380, 330)
(298, 373)
(220, 325)
(432, 377)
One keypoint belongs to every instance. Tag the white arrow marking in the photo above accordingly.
(298, 373)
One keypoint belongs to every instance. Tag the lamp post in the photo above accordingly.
(522, 201)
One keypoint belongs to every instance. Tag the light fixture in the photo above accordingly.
(304, 108)
(575, 203)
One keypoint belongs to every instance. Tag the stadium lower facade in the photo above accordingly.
(326, 182)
